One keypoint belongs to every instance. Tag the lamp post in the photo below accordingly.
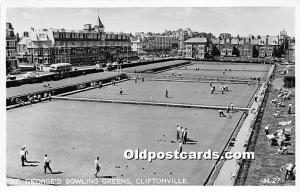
(127, 52)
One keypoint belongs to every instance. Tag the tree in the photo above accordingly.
(286, 45)
(275, 52)
(17, 38)
(215, 51)
(235, 51)
(207, 55)
(281, 51)
(255, 52)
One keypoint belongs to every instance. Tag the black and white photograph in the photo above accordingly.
(148, 95)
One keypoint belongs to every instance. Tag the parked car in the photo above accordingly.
(11, 77)
(16, 72)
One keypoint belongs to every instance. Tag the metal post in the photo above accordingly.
(127, 53)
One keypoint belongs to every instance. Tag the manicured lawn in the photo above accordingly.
(179, 92)
(74, 133)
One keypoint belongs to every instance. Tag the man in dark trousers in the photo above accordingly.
(167, 93)
(227, 109)
(231, 107)
(47, 164)
(289, 174)
(180, 147)
(97, 166)
(290, 108)
(184, 136)
(178, 132)
(22, 155)
(26, 153)
(267, 129)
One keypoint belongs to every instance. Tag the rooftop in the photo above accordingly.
(196, 40)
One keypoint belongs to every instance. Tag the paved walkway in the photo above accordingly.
(231, 167)
(36, 87)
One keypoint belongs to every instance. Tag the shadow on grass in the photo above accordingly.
(191, 141)
(290, 153)
(57, 172)
(32, 162)
(105, 176)
(30, 165)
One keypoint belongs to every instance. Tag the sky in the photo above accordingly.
(234, 20)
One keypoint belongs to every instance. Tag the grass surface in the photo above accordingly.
(215, 70)
(179, 92)
(74, 133)
(267, 162)
(218, 74)
(232, 66)
(107, 130)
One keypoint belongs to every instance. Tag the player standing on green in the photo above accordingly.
(47, 164)
(97, 166)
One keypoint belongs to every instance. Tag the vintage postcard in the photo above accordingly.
(100, 95)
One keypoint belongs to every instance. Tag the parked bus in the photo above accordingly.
(60, 67)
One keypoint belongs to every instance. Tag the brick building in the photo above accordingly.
(225, 48)
(88, 46)
(11, 61)
(160, 43)
(196, 48)
(245, 48)
(291, 53)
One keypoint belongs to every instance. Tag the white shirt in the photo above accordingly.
(46, 160)
(22, 153)
(289, 167)
(266, 127)
(97, 163)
